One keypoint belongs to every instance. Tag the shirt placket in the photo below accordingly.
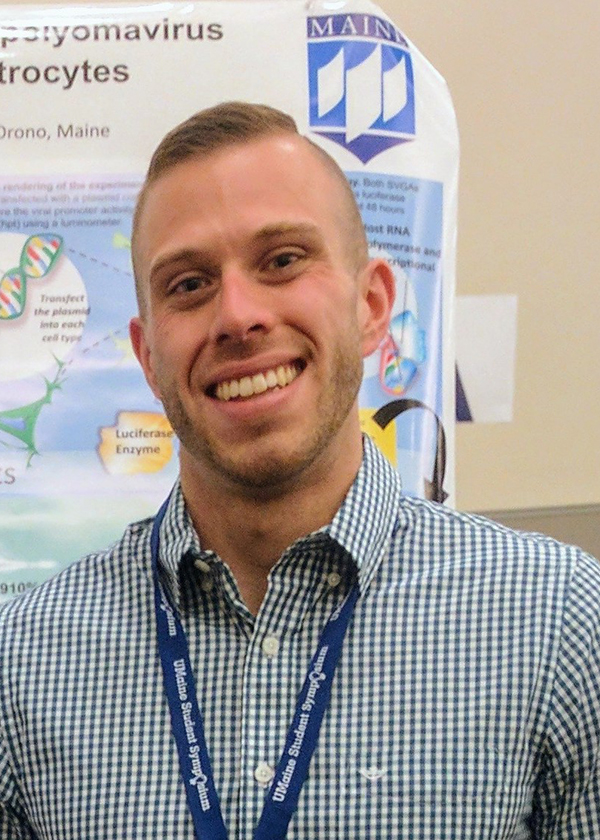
(285, 636)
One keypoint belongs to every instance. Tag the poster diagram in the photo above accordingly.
(76, 416)
(401, 396)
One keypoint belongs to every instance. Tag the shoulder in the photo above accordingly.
(434, 537)
(88, 583)
(535, 600)
(471, 532)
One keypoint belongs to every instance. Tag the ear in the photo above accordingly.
(377, 292)
(141, 348)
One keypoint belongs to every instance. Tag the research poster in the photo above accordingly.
(86, 93)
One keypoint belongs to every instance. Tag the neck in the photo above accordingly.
(250, 530)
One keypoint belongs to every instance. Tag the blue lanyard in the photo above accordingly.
(188, 730)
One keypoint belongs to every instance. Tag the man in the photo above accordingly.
(466, 698)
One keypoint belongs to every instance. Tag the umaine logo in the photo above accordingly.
(361, 83)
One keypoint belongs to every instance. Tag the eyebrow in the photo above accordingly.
(282, 228)
(182, 255)
(265, 233)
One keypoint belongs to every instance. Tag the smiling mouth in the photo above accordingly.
(251, 386)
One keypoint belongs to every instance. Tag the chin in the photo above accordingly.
(267, 471)
(263, 467)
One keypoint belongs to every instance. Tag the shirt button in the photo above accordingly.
(263, 773)
(201, 565)
(270, 645)
(334, 579)
(207, 584)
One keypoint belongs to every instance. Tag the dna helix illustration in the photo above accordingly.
(38, 256)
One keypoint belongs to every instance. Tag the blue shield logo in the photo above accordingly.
(361, 91)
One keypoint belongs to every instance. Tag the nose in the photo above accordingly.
(241, 308)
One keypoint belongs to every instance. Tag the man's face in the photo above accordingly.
(255, 321)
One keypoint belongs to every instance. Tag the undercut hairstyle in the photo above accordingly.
(234, 123)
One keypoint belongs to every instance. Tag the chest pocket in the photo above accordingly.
(417, 796)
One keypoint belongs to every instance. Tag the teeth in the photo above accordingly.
(281, 377)
(259, 383)
(248, 386)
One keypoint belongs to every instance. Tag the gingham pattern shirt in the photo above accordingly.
(466, 704)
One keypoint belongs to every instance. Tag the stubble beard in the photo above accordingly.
(268, 469)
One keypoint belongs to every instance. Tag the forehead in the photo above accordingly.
(245, 187)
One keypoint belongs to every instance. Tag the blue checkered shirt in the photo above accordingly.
(466, 704)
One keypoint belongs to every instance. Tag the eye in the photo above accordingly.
(189, 284)
(283, 260)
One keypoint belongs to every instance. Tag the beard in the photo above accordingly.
(270, 461)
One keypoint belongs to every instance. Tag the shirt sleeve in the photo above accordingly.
(13, 824)
(567, 801)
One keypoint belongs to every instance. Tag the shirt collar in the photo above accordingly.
(365, 522)
(177, 538)
(363, 525)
